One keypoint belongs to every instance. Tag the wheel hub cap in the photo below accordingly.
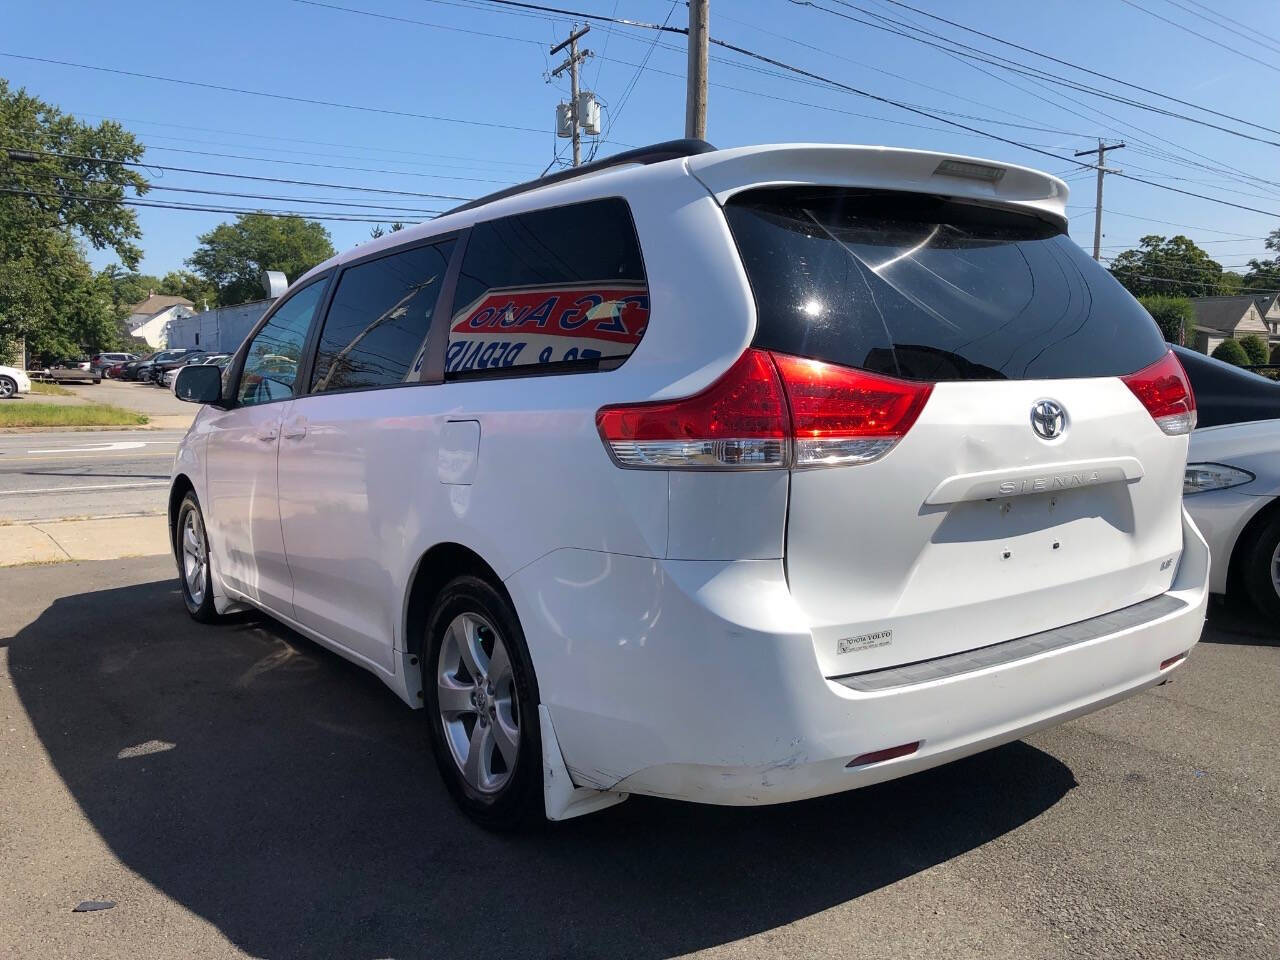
(478, 706)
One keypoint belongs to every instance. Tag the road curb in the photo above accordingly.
(100, 538)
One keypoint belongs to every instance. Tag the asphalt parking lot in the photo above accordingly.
(237, 791)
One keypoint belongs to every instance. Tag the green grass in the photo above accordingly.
(20, 414)
(50, 389)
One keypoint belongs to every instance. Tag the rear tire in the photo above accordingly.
(191, 550)
(482, 706)
(8, 388)
(1260, 568)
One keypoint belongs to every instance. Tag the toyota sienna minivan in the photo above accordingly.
(733, 476)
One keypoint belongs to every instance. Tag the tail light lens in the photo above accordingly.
(740, 421)
(768, 411)
(1165, 391)
(844, 416)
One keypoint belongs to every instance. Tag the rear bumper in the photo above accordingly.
(698, 680)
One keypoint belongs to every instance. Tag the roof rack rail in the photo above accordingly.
(655, 153)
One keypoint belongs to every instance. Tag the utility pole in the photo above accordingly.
(1102, 169)
(575, 58)
(695, 100)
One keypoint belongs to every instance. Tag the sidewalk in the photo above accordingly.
(105, 538)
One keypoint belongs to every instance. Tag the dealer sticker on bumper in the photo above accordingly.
(866, 641)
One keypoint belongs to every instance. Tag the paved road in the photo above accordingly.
(44, 476)
(238, 791)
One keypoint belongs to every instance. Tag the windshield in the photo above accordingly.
(927, 288)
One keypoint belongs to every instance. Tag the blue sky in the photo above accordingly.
(490, 69)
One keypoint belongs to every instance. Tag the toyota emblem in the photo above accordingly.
(1048, 419)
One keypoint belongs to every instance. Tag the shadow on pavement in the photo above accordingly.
(1233, 619)
(287, 797)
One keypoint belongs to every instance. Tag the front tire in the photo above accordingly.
(191, 549)
(1260, 570)
(482, 706)
(8, 388)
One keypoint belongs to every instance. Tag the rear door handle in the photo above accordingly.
(267, 434)
(295, 429)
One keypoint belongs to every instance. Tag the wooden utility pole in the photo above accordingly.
(695, 102)
(575, 58)
(1102, 169)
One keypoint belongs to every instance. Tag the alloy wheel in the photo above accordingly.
(7, 388)
(195, 557)
(479, 707)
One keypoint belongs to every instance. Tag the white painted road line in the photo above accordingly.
(78, 489)
(102, 447)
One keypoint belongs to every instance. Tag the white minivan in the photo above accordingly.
(734, 476)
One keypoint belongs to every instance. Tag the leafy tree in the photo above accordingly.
(65, 179)
(1230, 351)
(232, 257)
(1173, 315)
(1265, 274)
(377, 230)
(184, 283)
(1174, 267)
(1255, 348)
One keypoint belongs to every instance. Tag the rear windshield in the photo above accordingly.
(926, 288)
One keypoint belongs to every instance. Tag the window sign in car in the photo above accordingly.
(271, 363)
(551, 287)
(375, 332)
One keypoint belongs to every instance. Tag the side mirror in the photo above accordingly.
(198, 383)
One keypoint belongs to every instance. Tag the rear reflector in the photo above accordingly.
(1165, 391)
(1166, 664)
(768, 410)
(889, 753)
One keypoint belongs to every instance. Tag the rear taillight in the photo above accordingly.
(843, 416)
(1165, 391)
(740, 421)
(768, 411)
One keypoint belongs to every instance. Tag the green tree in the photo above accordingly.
(1174, 267)
(232, 257)
(184, 283)
(1230, 351)
(64, 180)
(1265, 274)
(1255, 348)
(1173, 315)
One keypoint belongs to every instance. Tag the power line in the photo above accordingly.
(1223, 16)
(1076, 66)
(243, 176)
(1251, 37)
(1194, 33)
(323, 166)
(276, 96)
(1013, 66)
(193, 208)
(332, 201)
(644, 62)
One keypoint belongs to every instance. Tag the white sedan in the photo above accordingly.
(1232, 485)
(13, 382)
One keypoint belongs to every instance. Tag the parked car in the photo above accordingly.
(146, 370)
(69, 369)
(103, 363)
(130, 370)
(1232, 486)
(161, 367)
(13, 382)
(735, 476)
(218, 360)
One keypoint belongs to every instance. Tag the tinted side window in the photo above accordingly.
(376, 329)
(564, 286)
(271, 364)
(926, 288)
